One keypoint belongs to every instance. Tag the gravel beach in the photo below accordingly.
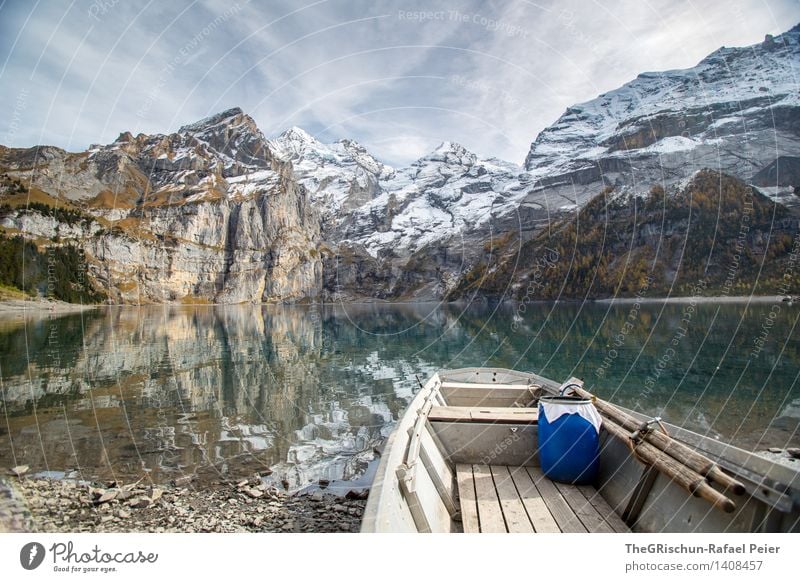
(47, 505)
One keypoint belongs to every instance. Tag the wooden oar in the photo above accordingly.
(666, 443)
(687, 478)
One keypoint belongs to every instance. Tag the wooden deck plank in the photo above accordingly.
(490, 514)
(468, 502)
(541, 518)
(500, 498)
(602, 506)
(516, 517)
(586, 512)
(558, 506)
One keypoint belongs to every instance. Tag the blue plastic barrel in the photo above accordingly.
(569, 440)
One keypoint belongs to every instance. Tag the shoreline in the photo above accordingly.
(701, 299)
(39, 306)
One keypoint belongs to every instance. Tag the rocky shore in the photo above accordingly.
(47, 505)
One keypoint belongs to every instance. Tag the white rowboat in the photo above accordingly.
(463, 458)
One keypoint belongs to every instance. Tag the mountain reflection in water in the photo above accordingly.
(310, 391)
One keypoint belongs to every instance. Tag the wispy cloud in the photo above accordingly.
(400, 76)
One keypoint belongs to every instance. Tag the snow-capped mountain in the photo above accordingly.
(337, 177)
(736, 111)
(445, 194)
(367, 205)
(216, 211)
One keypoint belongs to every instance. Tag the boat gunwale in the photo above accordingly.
(372, 512)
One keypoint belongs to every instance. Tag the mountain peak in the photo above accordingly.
(297, 134)
(232, 134)
(297, 142)
(451, 152)
(216, 119)
(451, 146)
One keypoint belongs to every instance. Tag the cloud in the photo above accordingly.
(398, 77)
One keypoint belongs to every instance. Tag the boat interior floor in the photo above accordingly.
(500, 499)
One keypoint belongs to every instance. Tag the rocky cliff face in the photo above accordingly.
(208, 213)
(216, 212)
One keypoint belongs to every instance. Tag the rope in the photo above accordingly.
(637, 436)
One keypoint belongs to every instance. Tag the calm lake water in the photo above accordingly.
(308, 392)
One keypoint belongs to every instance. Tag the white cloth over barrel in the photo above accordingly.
(555, 410)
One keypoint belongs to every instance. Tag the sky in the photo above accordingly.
(400, 77)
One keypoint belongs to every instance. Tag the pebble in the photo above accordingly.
(106, 497)
(20, 470)
(139, 502)
(125, 494)
(353, 494)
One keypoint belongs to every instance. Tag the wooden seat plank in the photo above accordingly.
(466, 394)
(586, 512)
(486, 386)
(612, 518)
(490, 513)
(468, 501)
(484, 414)
(516, 517)
(541, 518)
(558, 506)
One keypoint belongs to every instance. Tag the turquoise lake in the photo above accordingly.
(308, 392)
